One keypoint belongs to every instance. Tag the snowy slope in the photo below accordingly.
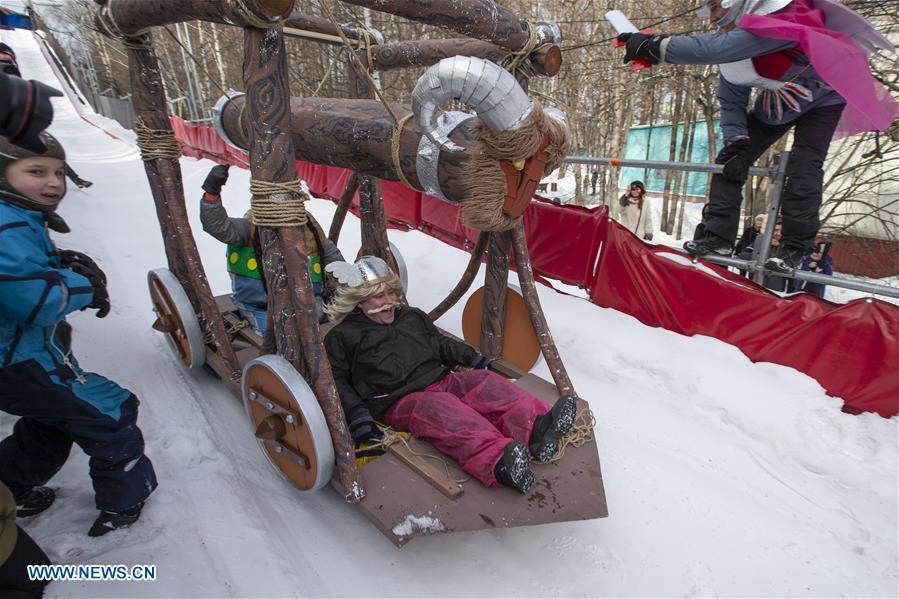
(723, 477)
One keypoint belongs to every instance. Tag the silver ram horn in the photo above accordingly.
(488, 89)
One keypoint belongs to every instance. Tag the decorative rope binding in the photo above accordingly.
(515, 59)
(581, 432)
(255, 20)
(139, 40)
(395, 149)
(287, 212)
(156, 144)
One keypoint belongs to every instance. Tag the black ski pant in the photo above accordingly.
(14, 582)
(52, 418)
(803, 188)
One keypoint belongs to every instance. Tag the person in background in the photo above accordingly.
(633, 212)
(744, 248)
(247, 278)
(771, 281)
(392, 364)
(58, 403)
(809, 61)
(17, 552)
(821, 262)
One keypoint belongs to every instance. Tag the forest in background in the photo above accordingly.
(602, 97)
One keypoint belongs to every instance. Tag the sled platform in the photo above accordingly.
(414, 490)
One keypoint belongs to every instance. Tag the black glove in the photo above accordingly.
(481, 362)
(642, 45)
(647, 236)
(98, 282)
(216, 179)
(69, 257)
(26, 112)
(735, 158)
(366, 432)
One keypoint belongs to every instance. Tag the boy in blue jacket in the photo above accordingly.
(40, 381)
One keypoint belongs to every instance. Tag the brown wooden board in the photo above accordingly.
(403, 504)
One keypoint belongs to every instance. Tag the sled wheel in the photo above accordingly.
(290, 426)
(175, 318)
(396, 263)
(520, 345)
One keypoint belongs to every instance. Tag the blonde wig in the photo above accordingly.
(346, 298)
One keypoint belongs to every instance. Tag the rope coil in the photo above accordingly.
(515, 59)
(289, 211)
(156, 144)
(581, 432)
(395, 149)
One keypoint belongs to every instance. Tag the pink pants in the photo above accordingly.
(470, 416)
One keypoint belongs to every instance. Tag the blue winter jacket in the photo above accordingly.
(36, 293)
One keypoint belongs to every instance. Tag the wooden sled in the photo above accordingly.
(407, 494)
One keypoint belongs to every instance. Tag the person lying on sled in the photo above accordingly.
(391, 364)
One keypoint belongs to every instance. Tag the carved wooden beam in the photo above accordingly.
(164, 176)
(129, 17)
(346, 198)
(464, 284)
(356, 134)
(291, 299)
(493, 318)
(424, 53)
(538, 319)
(322, 30)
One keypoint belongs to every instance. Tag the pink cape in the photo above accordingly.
(837, 58)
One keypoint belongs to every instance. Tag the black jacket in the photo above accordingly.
(376, 364)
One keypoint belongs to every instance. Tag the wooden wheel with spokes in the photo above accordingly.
(175, 318)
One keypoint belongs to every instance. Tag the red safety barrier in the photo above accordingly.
(852, 350)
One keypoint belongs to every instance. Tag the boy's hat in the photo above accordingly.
(4, 48)
(10, 153)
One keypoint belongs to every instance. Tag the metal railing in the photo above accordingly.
(762, 244)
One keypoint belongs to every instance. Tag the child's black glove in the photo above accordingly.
(216, 179)
(98, 281)
(366, 432)
(481, 362)
(642, 45)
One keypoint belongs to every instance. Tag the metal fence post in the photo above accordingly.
(762, 245)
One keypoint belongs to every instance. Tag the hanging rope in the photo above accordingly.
(156, 144)
(288, 212)
(515, 59)
(364, 68)
(256, 21)
(395, 148)
(328, 72)
(195, 61)
(581, 432)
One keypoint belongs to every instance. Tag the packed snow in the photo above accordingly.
(723, 477)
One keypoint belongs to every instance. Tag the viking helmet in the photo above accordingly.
(367, 270)
(10, 153)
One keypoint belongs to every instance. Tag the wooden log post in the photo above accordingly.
(322, 30)
(424, 53)
(117, 18)
(464, 284)
(343, 205)
(291, 299)
(159, 152)
(493, 318)
(538, 319)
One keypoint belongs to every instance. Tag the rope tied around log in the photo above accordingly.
(395, 148)
(288, 211)
(515, 59)
(139, 40)
(255, 20)
(156, 144)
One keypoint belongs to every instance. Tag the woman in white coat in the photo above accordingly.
(633, 212)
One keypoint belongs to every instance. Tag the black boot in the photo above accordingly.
(110, 521)
(709, 244)
(551, 427)
(514, 469)
(34, 501)
(786, 258)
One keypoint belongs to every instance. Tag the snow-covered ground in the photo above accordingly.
(723, 477)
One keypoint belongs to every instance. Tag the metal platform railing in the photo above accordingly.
(762, 245)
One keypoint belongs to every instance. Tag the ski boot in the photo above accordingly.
(709, 244)
(551, 427)
(514, 469)
(785, 260)
(110, 521)
(34, 501)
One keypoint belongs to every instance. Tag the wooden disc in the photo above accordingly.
(176, 318)
(287, 432)
(520, 345)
